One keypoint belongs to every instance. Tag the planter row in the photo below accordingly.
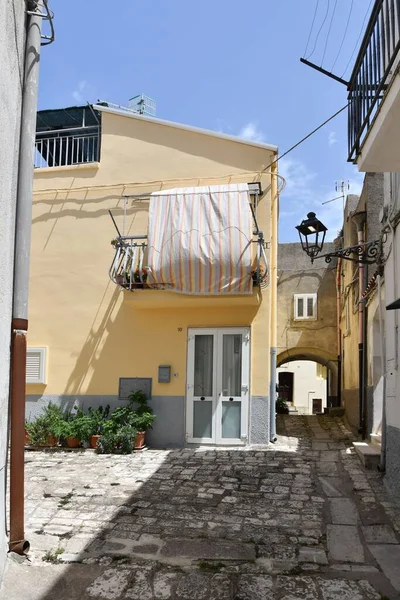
(74, 442)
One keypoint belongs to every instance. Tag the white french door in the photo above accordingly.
(218, 371)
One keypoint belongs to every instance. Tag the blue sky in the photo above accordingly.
(226, 65)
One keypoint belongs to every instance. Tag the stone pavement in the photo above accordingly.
(299, 519)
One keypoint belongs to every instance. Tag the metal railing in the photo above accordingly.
(67, 147)
(372, 71)
(129, 266)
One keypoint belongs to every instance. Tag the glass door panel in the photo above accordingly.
(231, 419)
(231, 364)
(201, 397)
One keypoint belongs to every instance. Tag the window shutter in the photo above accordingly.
(310, 306)
(300, 307)
(35, 365)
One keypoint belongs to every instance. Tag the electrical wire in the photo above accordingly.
(344, 34)
(359, 36)
(329, 31)
(306, 137)
(311, 28)
(320, 29)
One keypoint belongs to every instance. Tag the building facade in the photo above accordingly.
(116, 319)
(12, 42)
(307, 329)
(374, 129)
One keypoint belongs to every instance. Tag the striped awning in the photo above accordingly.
(200, 240)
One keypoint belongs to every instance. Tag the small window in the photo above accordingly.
(305, 307)
(36, 365)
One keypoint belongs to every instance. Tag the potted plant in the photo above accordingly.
(98, 417)
(44, 431)
(282, 407)
(76, 428)
(258, 275)
(121, 441)
(143, 417)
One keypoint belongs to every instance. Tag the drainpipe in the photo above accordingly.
(19, 324)
(339, 337)
(382, 464)
(359, 220)
(273, 296)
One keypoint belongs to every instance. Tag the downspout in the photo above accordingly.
(19, 323)
(382, 463)
(339, 337)
(273, 296)
(359, 219)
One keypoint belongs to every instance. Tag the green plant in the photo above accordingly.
(144, 422)
(48, 423)
(121, 441)
(53, 556)
(281, 404)
(76, 425)
(98, 417)
(143, 416)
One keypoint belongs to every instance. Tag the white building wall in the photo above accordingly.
(392, 293)
(12, 36)
(309, 382)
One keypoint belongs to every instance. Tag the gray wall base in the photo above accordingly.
(259, 420)
(168, 428)
(392, 476)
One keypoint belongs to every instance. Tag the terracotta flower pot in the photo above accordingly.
(139, 440)
(94, 440)
(73, 442)
(52, 441)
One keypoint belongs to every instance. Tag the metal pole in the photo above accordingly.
(23, 220)
(273, 300)
(382, 464)
(359, 220)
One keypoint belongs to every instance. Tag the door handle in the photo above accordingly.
(230, 399)
(202, 398)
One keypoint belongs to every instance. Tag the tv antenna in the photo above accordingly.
(341, 186)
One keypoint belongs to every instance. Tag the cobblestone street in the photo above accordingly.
(300, 519)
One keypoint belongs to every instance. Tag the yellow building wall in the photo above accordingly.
(94, 331)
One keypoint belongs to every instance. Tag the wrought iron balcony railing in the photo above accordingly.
(372, 71)
(58, 148)
(129, 266)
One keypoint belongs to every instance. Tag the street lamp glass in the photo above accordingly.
(312, 235)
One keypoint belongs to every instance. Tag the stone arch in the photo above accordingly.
(317, 355)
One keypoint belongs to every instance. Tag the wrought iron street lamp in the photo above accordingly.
(312, 235)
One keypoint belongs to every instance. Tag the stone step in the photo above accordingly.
(369, 455)
(375, 440)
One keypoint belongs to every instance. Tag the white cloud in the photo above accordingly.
(79, 93)
(250, 131)
(332, 139)
(298, 179)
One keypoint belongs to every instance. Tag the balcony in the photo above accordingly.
(67, 137)
(129, 271)
(374, 93)
(67, 147)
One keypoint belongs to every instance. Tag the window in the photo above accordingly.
(36, 365)
(305, 307)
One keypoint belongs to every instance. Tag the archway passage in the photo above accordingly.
(307, 380)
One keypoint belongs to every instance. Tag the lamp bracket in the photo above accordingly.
(367, 254)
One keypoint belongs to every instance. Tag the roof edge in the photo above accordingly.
(216, 134)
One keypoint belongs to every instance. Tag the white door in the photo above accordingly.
(218, 386)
